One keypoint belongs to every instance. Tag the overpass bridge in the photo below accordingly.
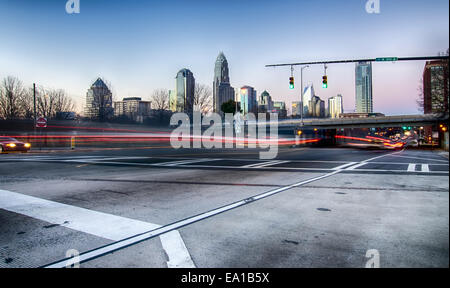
(368, 122)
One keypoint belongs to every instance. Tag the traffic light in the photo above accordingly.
(291, 82)
(325, 82)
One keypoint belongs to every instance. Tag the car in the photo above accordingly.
(9, 144)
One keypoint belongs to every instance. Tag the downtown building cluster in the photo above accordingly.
(183, 98)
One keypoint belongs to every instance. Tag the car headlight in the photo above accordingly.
(27, 145)
(12, 145)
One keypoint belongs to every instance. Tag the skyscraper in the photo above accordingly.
(316, 107)
(307, 96)
(248, 100)
(296, 109)
(363, 83)
(183, 98)
(435, 87)
(99, 101)
(335, 106)
(222, 90)
(279, 107)
(265, 103)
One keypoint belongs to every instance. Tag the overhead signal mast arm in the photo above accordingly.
(381, 59)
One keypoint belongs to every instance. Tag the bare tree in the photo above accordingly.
(160, 99)
(11, 94)
(27, 104)
(63, 102)
(202, 98)
(420, 100)
(51, 101)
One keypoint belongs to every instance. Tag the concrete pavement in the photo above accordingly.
(328, 222)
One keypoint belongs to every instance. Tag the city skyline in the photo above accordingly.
(136, 56)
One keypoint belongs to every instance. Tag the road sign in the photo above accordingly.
(389, 59)
(41, 122)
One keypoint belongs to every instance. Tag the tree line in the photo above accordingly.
(17, 100)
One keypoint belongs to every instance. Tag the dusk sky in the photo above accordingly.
(139, 46)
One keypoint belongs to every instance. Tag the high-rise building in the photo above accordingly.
(364, 91)
(335, 106)
(296, 109)
(265, 103)
(222, 90)
(279, 107)
(316, 107)
(173, 100)
(183, 98)
(308, 94)
(435, 87)
(99, 101)
(248, 100)
(133, 107)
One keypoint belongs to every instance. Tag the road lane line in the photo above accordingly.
(344, 166)
(412, 168)
(420, 158)
(107, 249)
(95, 253)
(356, 166)
(175, 248)
(425, 168)
(265, 164)
(100, 224)
(184, 162)
(272, 164)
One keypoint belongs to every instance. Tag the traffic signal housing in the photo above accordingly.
(325, 82)
(291, 83)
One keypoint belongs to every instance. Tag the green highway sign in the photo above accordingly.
(387, 59)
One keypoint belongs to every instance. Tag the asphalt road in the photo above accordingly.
(309, 207)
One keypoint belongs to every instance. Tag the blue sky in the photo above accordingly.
(139, 45)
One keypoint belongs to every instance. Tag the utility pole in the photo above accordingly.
(34, 112)
(301, 93)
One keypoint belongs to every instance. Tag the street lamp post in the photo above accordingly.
(301, 92)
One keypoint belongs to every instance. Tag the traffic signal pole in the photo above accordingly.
(381, 59)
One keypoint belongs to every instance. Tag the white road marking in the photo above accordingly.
(264, 164)
(420, 158)
(356, 166)
(344, 166)
(174, 226)
(184, 162)
(425, 168)
(100, 224)
(411, 167)
(271, 164)
(175, 248)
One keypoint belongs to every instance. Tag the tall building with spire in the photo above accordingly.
(99, 101)
(222, 90)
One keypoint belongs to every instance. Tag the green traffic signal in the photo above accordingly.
(291, 82)
(325, 82)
